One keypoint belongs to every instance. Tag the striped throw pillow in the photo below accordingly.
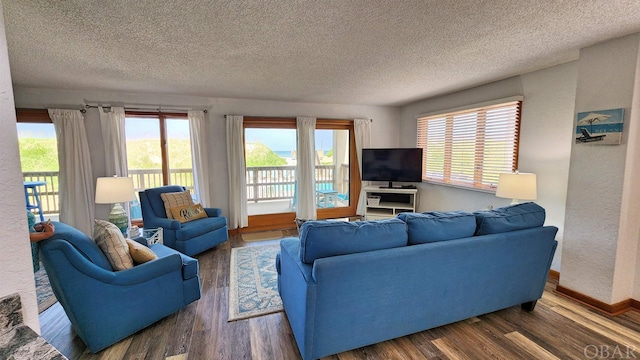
(176, 199)
(113, 244)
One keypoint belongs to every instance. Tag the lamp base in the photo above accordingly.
(118, 216)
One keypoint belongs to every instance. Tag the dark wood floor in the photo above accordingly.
(557, 329)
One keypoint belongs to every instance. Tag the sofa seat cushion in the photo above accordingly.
(438, 226)
(509, 218)
(319, 239)
(199, 227)
(189, 264)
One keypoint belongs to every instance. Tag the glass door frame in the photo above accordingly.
(286, 219)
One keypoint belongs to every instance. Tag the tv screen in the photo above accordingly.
(399, 164)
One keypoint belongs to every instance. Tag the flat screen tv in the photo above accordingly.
(397, 164)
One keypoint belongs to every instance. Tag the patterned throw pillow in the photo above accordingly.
(114, 246)
(140, 253)
(189, 212)
(176, 199)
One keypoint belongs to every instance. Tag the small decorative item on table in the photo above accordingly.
(373, 200)
(153, 236)
(134, 231)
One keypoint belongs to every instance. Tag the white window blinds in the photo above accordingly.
(470, 148)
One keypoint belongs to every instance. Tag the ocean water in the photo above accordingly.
(287, 153)
(284, 153)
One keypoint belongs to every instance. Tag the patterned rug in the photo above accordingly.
(43, 290)
(253, 285)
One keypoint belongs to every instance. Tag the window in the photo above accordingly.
(270, 160)
(470, 148)
(270, 156)
(39, 157)
(158, 149)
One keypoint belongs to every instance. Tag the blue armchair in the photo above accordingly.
(105, 306)
(189, 238)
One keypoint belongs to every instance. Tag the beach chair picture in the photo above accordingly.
(602, 127)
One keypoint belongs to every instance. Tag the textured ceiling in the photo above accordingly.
(372, 52)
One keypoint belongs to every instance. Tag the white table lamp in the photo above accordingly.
(517, 186)
(116, 190)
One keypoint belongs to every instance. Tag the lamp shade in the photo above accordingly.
(517, 186)
(111, 190)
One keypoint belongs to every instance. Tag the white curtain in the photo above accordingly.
(76, 188)
(113, 137)
(238, 217)
(305, 168)
(199, 153)
(362, 132)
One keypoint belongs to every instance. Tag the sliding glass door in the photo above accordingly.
(271, 159)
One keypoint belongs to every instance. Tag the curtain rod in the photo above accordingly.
(158, 108)
(371, 120)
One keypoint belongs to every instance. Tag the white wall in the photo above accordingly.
(636, 283)
(632, 173)
(546, 136)
(594, 214)
(545, 140)
(628, 251)
(625, 279)
(385, 132)
(16, 271)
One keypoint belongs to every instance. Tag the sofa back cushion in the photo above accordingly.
(509, 218)
(438, 226)
(319, 239)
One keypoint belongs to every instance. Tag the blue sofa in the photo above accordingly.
(189, 238)
(105, 306)
(347, 285)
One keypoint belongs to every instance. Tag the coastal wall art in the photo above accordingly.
(602, 127)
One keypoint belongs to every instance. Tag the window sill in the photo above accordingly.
(461, 187)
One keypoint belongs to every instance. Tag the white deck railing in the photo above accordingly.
(263, 182)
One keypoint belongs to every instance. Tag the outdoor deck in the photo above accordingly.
(270, 189)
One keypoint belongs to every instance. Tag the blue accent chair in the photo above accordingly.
(189, 238)
(106, 306)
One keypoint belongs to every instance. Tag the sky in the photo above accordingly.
(614, 116)
(36, 130)
(285, 139)
(135, 130)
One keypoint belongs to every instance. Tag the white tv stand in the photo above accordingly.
(392, 202)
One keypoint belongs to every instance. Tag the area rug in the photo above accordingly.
(43, 290)
(263, 235)
(253, 285)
